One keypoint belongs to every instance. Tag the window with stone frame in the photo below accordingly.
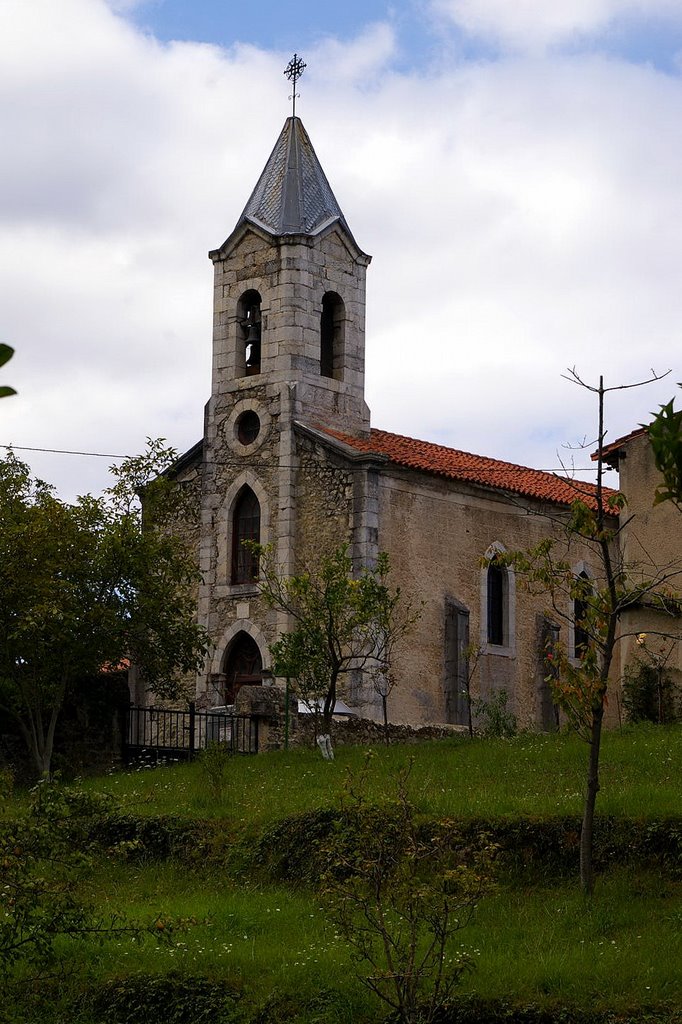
(245, 527)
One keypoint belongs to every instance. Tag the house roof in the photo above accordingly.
(453, 464)
(610, 452)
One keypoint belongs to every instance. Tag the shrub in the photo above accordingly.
(167, 999)
(398, 899)
(493, 717)
(650, 693)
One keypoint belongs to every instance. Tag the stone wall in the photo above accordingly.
(268, 704)
(365, 732)
(324, 492)
(437, 535)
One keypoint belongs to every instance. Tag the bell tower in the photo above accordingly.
(288, 356)
(289, 299)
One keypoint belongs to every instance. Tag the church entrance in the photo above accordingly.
(243, 666)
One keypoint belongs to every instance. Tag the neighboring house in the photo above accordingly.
(651, 548)
(288, 458)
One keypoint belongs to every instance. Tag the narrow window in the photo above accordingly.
(249, 321)
(581, 636)
(245, 526)
(497, 599)
(331, 336)
(457, 702)
(548, 672)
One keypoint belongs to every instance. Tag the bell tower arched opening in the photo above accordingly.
(249, 321)
(332, 323)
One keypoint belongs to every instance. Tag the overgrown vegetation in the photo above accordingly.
(650, 693)
(42, 855)
(397, 896)
(257, 879)
(492, 716)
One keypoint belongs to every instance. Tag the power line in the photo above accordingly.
(62, 451)
(256, 465)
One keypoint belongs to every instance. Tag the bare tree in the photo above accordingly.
(594, 604)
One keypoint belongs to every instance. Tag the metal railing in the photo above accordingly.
(182, 732)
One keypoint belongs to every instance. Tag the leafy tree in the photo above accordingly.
(43, 854)
(342, 622)
(580, 677)
(665, 435)
(6, 353)
(86, 585)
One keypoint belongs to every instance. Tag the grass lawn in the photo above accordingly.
(532, 774)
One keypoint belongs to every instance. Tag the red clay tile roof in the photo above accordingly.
(476, 469)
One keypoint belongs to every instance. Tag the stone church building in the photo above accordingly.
(289, 458)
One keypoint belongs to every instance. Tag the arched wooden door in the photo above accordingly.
(243, 665)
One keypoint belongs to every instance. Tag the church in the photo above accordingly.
(289, 458)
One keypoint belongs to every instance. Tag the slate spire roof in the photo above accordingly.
(293, 196)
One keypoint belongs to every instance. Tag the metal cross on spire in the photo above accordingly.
(293, 71)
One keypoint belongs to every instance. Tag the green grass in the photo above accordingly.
(531, 774)
(540, 943)
(549, 944)
(543, 944)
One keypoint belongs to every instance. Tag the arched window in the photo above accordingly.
(498, 603)
(249, 321)
(498, 592)
(332, 323)
(581, 636)
(245, 526)
(243, 666)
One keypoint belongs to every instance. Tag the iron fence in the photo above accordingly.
(181, 732)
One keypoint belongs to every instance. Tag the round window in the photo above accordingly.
(248, 427)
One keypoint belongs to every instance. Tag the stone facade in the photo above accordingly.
(288, 459)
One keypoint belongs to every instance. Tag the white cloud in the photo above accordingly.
(532, 25)
(523, 216)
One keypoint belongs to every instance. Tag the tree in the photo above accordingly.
(342, 623)
(665, 435)
(594, 605)
(88, 585)
(6, 353)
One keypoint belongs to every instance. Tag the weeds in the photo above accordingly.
(214, 769)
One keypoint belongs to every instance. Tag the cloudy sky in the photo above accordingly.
(514, 168)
